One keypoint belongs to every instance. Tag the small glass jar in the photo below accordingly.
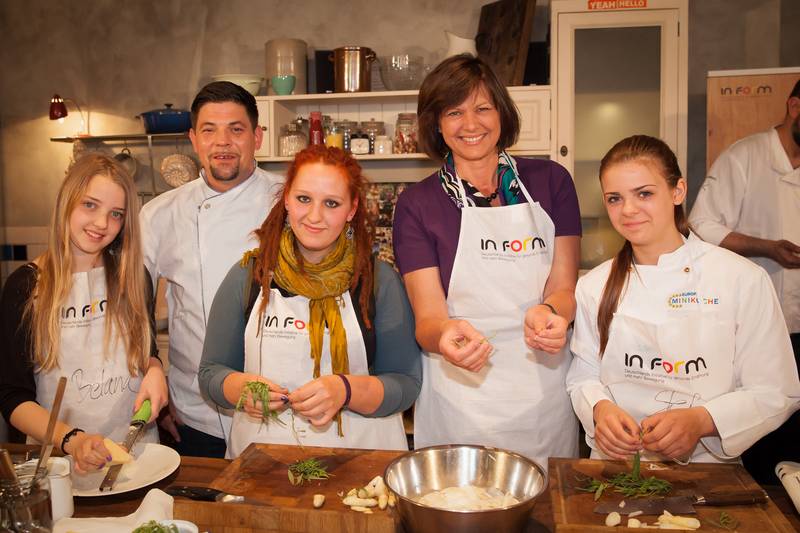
(292, 140)
(347, 127)
(405, 134)
(334, 137)
(359, 143)
(372, 128)
(383, 145)
(25, 506)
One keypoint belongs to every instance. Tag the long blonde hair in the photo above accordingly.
(126, 283)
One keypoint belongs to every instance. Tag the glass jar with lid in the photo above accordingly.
(292, 140)
(372, 128)
(334, 136)
(383, 145)
(405, 133)
(25, 505)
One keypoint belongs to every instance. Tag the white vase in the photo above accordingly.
(459, 45)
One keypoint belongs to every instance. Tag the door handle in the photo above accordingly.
(563, 151)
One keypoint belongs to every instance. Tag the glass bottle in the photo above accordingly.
(335, 137)
(315, 134)
(292, 140)
(25, 506)
(346, 127)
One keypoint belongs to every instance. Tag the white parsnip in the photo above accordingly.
(613, 519)
(319, 500)
(634, 523)
(360, 502)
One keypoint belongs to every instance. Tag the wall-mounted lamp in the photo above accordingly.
(58, 111)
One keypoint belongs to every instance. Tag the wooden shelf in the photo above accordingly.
(368, 157)
(121, 137)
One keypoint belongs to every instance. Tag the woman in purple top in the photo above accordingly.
(488, 247)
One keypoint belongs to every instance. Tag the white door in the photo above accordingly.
(615, 73)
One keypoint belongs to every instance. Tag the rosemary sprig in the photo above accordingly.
(258, 390)
(307, 470)
(631, 485)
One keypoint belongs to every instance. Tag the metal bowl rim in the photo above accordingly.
(476, 447)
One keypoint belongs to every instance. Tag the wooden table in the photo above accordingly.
(197, 471)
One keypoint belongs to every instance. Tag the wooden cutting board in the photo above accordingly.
(260, 473)
(573, 509)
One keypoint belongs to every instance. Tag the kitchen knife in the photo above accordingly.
(208, 494)
(138, 422)
(683, 504)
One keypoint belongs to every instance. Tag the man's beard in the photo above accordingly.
(219, 176)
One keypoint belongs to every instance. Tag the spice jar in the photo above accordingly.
(359, 143)
(347, 127)
(292, 140)
(383, 145)
(372, 128)
(405, 134)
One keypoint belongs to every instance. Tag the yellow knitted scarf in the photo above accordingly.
(323, 284)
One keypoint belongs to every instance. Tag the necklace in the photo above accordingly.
(493, 195)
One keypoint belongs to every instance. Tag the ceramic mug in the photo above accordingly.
(58, 471)
(283, 84)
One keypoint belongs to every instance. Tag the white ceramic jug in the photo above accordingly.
(459, 45)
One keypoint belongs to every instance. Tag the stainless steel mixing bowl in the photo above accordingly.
(422, 471)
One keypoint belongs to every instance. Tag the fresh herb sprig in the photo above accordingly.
(154, 527)
(725, 521)
(258, 390)
(307, 470)
(630, 484)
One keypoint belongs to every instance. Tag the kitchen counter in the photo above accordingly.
(197, 471)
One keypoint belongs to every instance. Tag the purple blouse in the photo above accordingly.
(427, 223)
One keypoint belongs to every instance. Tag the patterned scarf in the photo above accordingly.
(508, 185)
(323, 284)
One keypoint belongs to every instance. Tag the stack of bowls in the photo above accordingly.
(402, 72)
(250, 82)
(418, 473)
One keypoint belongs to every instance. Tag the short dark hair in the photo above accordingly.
(225, 91)
(796, 91)
(449, 84)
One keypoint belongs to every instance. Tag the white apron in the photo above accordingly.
(789, 208)
(282, 354)
(518, 401)
(680, 363)
(100, 392)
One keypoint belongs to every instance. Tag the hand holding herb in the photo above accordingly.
(258, 391)
(307, 470)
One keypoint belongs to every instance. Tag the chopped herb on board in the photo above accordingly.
(725, 521)
(307, 470)
(630, 484)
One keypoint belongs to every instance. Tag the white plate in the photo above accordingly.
(153, 463)
(182, 525)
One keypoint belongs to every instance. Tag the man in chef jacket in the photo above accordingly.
(750, 203)
(192, 235)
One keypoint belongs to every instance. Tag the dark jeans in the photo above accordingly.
(197, 444)
(783, 444)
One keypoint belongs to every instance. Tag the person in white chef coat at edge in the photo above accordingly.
(681, 350)
(192, 234)
(488, 247)
(750, 203)
(80, 310)
(326, 326)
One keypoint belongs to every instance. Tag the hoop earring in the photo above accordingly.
(286, 224)
(348, 232)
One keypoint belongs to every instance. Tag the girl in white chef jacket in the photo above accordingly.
(681, 350)
(80, 310)
(307, 333)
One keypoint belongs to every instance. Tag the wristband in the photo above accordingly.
(553, 309)
(347, 390)
(71, 433)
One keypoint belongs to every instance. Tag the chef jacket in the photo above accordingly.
(752, 189)
(757, 374)
(191, 236)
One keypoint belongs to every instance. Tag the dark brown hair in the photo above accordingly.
(654, 151)
(449, 84)
(269, 233)
(218, 92)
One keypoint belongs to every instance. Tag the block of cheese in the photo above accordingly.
(118, 454)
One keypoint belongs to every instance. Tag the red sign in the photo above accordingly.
(616, 4)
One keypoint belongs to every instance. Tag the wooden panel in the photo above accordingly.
(264, 108)
(534, 114)
(260, 473)
(738, 106)
(573, 509)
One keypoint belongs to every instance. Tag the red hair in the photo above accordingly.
(269, 234)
